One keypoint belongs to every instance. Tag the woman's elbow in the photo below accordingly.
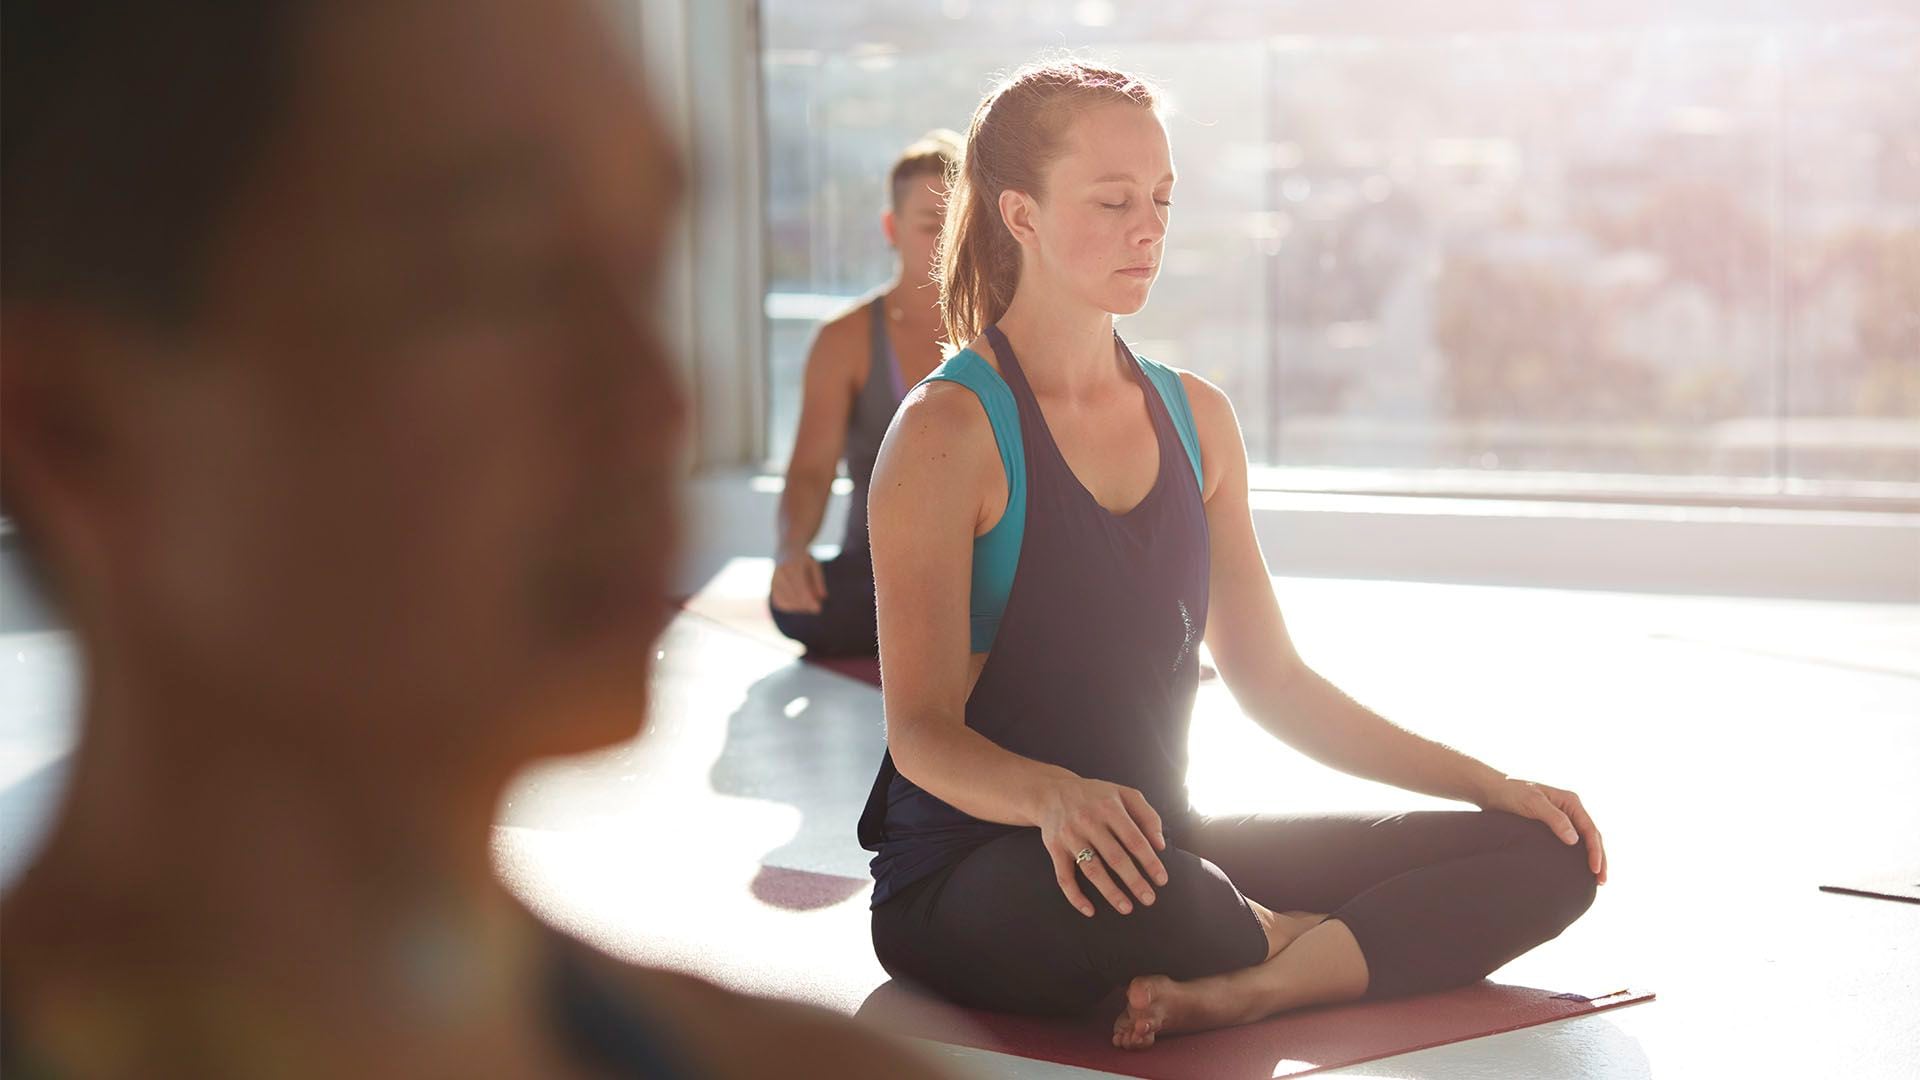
(908, 743)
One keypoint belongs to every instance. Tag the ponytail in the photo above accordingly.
(1017, 131)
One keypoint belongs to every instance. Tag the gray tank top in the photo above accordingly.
(867, 424)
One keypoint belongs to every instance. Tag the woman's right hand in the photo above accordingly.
(1121, 830)
(799, 584)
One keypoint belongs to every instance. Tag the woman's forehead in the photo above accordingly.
(1117, 144)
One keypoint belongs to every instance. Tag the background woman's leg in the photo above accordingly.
(845, 625)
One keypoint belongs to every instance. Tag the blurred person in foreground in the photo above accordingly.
(337, 421)
(861, 364)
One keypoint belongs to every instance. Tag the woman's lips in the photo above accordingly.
(1140, 271)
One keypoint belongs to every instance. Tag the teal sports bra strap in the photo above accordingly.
(1174, 393)
(996, 553)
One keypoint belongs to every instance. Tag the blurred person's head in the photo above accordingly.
(334, 409)
(1065, 181)
(917, 190)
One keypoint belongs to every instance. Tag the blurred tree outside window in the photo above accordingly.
(1668, 249)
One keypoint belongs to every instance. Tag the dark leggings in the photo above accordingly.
(845, 624)
(1435, 899)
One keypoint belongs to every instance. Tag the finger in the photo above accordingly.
(1095, 871)
(1114, 851)
(1555, 819)
(817, 580)
(1069, 880)
(1596, 853)
(1129, 831)
(1148, 819)
(798, 596)
(797, 605)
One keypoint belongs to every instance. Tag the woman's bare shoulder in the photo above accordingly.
(941, 415)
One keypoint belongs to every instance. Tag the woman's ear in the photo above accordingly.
(1016, 210)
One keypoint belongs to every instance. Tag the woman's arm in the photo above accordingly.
(938, 484)
(826, 400)
(1256, 657)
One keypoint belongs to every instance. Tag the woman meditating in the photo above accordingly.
(1056, 525)
(859, 368)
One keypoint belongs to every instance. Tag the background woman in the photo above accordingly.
(859, 368)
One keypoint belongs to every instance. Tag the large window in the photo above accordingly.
(1629, 257)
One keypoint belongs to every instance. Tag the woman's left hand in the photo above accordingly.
(1559, 808)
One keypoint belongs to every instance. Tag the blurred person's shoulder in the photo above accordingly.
(719, 1033)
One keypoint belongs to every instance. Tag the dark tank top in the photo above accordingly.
(867, 424)
(1093, 666)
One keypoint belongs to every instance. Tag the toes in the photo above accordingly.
(1133, 1031)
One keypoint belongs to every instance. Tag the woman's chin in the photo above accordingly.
(1128, 300)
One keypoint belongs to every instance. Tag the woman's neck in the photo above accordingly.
(1065, 347)
(915, 303)
(221, 872)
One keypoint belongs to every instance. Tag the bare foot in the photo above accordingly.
(1157, 1005)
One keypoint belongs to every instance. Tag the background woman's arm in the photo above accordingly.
(826, 401)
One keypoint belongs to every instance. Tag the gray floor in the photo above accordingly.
(1737, 753)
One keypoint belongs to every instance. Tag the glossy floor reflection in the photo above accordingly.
(1737, 754)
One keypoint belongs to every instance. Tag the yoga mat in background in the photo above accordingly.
(1902, 887)
(736, 598)
(1293, 1044)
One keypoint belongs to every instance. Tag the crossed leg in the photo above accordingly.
(1441, 898)
(1261, 914)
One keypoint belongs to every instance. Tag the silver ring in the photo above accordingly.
(1086, 855)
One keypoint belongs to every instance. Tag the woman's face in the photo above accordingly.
(913, 227)
(1100, 224)
(410, 485)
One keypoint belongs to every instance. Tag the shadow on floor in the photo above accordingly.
(811, 739)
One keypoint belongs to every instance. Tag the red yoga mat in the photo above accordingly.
(1293, 1044)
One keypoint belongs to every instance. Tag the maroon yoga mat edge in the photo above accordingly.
(1874, 892)
(1603, 1003)
(1148, 1067)
(859, 669)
